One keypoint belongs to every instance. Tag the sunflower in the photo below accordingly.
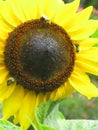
(46, 51)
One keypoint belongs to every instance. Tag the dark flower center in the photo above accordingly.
(39, 55)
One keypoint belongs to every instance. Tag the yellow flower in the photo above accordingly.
(46, 49)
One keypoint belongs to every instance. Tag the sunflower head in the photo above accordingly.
(37, 57)
(46, 51)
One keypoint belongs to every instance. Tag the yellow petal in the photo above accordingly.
(26, 9)
(51, 7)
(2, 61)
(65, 11)
(62, 92)
(82, 84)
(4, 30)
(40, 8)
(26, 113)
(2, 52)
(65, 90)
(39, 99)
(12, 104)
(87, 43)
(89, 28)
(16, 118)
(5, 26)
(46, 96)
(8, 14)
(78, 20)
(3, 36)
(2, 45)
(87, 66)
(90, 54)
(6, 91)
(1, 55)
(2, 48)
(3, 74)
(53, 95)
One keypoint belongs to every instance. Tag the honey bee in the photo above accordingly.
(45, 18)
(77, 47)
(10, 81)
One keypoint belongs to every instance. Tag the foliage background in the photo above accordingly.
(85, 3)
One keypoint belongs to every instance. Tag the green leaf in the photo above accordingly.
(42, 111)
(50, 118)
(45, 127)
(53, 117)
(78, 124)
(6, 125)
(95, 34)
(46, 115)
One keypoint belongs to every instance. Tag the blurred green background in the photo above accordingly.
(77, 106)
(85, 3)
